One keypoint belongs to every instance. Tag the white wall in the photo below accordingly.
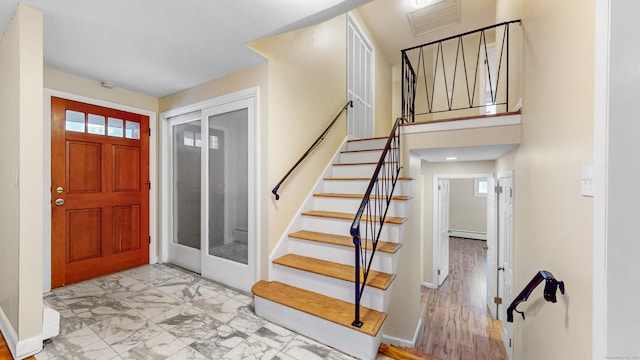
(623, 197)
(467, 212)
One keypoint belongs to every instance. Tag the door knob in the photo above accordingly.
(59, 202)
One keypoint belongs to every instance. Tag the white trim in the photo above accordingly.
(435, 219)
(599, 326)
(153, 155)
(502, 120)
(468, 234)
(392, 340)
(19, 349)
(429, 285)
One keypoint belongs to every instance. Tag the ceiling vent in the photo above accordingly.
(434, 17)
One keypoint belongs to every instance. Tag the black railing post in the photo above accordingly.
(356, 242)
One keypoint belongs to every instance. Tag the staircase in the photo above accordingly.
(312, 285)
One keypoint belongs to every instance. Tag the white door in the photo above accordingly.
(443, 229)
(492, 249)
(228, 254)
(213, 207)
(185, 191)
(505, 235)
(360, 122)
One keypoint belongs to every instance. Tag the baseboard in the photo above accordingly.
(468, 234)
(392, 340)
(429, 285)
(19, 349)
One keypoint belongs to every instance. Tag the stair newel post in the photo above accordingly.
(356, 242)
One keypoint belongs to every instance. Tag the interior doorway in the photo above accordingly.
(360, 82)
(209, 206)
(498, 233)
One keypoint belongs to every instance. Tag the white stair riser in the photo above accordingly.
(366, 144)
(339, 289)
(360, 156)
(403, 187)
(337, 336)
(397, 208)
(383, 262)
(390, 232)
(352, 171)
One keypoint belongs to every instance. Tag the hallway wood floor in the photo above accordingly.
(456, 323)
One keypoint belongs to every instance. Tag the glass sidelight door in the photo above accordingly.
(211, 202)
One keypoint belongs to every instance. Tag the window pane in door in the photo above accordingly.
(132, 130)
(115, 127)
(228, 185)
(74, 121)
(186, 186)
(95, 124)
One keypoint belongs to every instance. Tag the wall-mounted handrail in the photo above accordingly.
(373, 208)
(550, 287)
(313, 146)
(432, 70)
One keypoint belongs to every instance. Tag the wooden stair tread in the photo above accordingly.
(366, 179)
(360, 196)
(325, 307)
(341, 240)
(364, 163)
(399, 353)
(345, 216)
(365, 139)
(344, 272)
(363, 150)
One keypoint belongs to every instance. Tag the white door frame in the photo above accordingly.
(153, 155)
(506, 243)
(436, 215)
(352, 23)
(250, 97)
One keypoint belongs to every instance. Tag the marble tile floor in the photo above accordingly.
(163, 312)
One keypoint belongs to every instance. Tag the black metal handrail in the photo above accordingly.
(550, 287)
(373, 208)
(422, 81)
(313, 146)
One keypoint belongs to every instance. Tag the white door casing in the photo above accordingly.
(234, 274)
(360, 82)
(443, 229)
(506, 241)
(492, 247)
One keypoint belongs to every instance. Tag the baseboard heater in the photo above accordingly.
(468, 234)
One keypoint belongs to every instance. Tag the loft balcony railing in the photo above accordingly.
(467, 73)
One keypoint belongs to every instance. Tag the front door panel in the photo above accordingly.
(100, 192)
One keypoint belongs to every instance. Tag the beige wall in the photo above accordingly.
(78, 85)
(21, 164)
(553, 222)
(307, 88)
(467, 212)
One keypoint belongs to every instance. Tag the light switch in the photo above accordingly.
(587, 181)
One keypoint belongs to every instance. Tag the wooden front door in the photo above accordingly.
(99, 191)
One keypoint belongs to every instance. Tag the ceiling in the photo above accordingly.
(159, 47)
(467, 153)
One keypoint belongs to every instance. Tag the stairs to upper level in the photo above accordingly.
(311, 289)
